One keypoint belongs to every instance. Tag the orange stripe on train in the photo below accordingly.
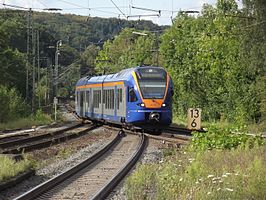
(100, 85)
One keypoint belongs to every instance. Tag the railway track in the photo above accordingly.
(44, 140)
(95, 177)
(176, 137)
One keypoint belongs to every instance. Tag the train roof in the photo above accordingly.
(120, 76)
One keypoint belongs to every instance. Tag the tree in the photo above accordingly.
(87, 60)
(203, 56)
(125, 51)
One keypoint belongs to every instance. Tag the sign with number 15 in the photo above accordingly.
(194, 118)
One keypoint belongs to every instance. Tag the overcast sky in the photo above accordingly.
(107, 8)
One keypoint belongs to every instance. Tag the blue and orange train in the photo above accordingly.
(140, 96)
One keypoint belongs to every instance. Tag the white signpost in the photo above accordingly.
(194, 118)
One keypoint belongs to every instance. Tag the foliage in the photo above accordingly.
(88, 58)
(143, 183)
(205, 57)
(126, 50)
(216, 174)
(76, 32)
(12, 104)
(10, 168)
(223, 138)
(12, 61)
(26, 122)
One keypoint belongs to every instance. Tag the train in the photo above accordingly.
(135, 97)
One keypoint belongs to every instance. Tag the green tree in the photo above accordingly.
(203, 57)
(87, 60)
(12, 104)
(126, 50)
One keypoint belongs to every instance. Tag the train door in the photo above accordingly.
(121, 101)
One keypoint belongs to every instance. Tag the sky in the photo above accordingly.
(124, 9)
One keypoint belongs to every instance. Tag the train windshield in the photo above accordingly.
(152, 82)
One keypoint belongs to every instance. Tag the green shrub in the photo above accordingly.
(12, 104)
(223, 138)
(33, 120)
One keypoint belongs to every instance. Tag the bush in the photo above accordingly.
(12, 104)
(10, 168)
(216, 174)
(223, 138)
(39, 118)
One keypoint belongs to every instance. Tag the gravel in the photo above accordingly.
(84, 147)
(60, 165)
(152, 154)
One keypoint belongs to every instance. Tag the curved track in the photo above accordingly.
(95, 177)
(44, 140)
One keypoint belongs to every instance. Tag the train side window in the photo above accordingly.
(120, 95)
(77, 96)
(132, 95)
(81, 98)
(104, 96)
(100, 96)
(112, 99)
(88, 98)
(108, 98)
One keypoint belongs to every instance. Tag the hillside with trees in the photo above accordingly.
(28, 42)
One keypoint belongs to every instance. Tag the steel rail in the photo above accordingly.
(110, 186)
(165, 136)
(173, 140)
(38, 137)
(46, 142)
(46, 186)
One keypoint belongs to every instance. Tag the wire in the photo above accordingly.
(118, 8)
(73, 4)
(42, 4)
(147, 9)
(15, 6)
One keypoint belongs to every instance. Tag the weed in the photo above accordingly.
(9, 168)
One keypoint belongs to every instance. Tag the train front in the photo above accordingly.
(151, 98)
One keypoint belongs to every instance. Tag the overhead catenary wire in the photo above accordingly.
(118, 8)
(42, 3)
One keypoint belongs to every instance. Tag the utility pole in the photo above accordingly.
(33, 69)
(57, 52)
(29, 26)
(38, 65)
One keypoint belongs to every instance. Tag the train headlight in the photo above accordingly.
(141, 104)
(163, 105)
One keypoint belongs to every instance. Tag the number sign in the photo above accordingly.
(194, 118)
(55, 100)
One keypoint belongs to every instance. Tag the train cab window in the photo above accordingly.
(132, 95)
(152, 82)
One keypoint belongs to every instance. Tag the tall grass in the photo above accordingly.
(34, 120)
(9, 168)
(216, 174)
